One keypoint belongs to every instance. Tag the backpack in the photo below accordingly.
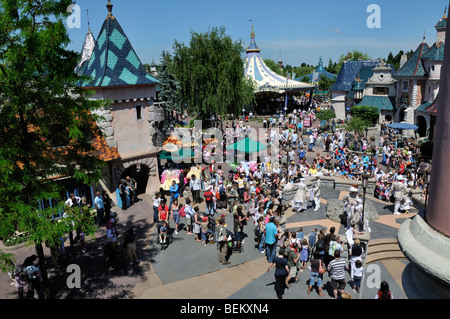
(181, 212)
(321, 245)
(222, 191)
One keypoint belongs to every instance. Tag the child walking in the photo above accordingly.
(304, 254)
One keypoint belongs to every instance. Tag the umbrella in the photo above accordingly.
(403, 126)
(247, 145)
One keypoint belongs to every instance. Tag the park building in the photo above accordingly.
(418, 83)
(367, 82)
(132, 125)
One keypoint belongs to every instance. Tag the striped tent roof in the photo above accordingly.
(263, 77)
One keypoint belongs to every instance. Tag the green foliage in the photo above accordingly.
(325, 83)
(325, 115)
(271, 64)
(355, 124)
(395, 60)
(47, 120)
(368, 114)
(211, 75)
(170, 88)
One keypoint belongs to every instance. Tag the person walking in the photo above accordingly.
(100, 207)
(271, 239)
(174, 192)
(357, 274)
(337, 268)
(292, 258)
(195, 186)
(304, 254)
(156, 203)
(317, 270)
(281, 272)
(129, 244)
(222, 240)
(175, 212)
(131, 184)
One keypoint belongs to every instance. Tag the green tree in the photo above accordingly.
(47, 120)
(352, 55)
(271, 64)
(303, 70)
(356, 125)
(325, 83)
(326, 115)
(170, 88)
(211, 74)
(368, 114)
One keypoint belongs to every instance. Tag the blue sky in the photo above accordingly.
(295, 30)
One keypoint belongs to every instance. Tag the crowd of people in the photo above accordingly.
(253, 192)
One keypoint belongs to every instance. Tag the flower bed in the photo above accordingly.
(15, 239)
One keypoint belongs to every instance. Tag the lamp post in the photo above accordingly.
(367, 130)
(365, 183)
(428, 178)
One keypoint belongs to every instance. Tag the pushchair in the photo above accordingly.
(166, 239)
(234, 245)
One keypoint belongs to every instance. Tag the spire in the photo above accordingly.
(252, 47)
(110, 6)
(89, 25)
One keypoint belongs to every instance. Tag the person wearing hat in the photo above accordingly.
(400, 192)
(350, 201)
(356, 213)
(300, 200)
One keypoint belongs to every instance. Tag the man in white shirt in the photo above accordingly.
(73, 200)
(195, 185)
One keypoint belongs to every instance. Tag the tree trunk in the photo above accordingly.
(42, 269)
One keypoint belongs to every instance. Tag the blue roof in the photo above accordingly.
(318, 73)
(435, 53)
(349, 72)
(114, 61)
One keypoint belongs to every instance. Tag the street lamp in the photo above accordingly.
(428, 179)
(367, 130)
(365, 183)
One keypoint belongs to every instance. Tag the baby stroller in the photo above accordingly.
(233, 243)
(166, 239)
(211, 230)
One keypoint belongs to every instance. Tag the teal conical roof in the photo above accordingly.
(114, 61)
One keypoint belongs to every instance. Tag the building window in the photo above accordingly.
(139, 112)
(405, 86)
(380, 91)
